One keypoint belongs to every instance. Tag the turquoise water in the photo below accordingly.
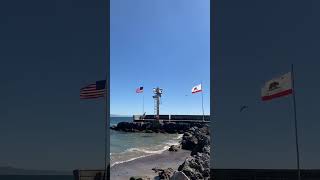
(129, 146)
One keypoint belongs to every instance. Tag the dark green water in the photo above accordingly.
(36, 177)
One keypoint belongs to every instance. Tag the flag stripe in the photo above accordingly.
(280, 94)
(90, 97)
(92, 91)
(196, 91)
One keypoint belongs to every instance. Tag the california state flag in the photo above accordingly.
(197, 88)
(277, 87)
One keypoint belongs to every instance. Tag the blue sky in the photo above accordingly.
(159, 43)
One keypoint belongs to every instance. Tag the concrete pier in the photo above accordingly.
(173, 118)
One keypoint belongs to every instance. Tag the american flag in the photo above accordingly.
(139, 90)
(95, 90)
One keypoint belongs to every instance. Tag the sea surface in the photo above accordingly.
(36, 177)
(126, 146)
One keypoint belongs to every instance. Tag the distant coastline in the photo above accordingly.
(117, 115)
(7, 170)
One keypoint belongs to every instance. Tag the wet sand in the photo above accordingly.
(143, 166)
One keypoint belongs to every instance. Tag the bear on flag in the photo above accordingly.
(196, 89)
(277, 87)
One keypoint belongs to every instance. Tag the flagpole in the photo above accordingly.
(202, 102)
(296, 124)
(107, 102)
(143, 102)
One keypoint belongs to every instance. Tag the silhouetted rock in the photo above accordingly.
(179, 175)
(140, 178)
(174, 148)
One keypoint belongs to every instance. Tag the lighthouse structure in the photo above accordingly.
(157, 95)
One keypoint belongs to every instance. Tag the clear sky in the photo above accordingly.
(160, 43)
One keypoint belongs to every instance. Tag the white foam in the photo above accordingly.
(120, 162)
(147, 150)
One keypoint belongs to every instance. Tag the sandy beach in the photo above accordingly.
(143, 166)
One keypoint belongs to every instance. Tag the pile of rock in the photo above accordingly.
(197, 166)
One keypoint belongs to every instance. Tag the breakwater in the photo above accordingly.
(155, 127)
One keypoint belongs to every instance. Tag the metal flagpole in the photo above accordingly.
(106, 137)
(202, 102)
(107, 102)
(296, 124)
(143, 102)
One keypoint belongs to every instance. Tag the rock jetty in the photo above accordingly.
(155, 127)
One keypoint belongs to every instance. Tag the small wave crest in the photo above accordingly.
(131, 159)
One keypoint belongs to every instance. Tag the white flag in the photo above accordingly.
(277, 87)
(196, 89)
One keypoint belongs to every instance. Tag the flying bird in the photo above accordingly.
(243, 108)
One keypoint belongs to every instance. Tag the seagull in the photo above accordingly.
(243, 108)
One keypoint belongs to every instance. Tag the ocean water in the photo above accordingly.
(126, 146)
(36, 177)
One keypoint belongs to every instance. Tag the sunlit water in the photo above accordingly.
(129, 146)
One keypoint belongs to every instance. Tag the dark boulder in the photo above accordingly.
(174, 148)
(140, 178)
(164, 174)
(203, 140)
(189, 142)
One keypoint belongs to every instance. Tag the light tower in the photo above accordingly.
(157, 95)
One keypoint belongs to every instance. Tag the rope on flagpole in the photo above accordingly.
(296, 124)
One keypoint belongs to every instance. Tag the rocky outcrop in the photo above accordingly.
(174, 148)
(164, 174)
(197, 140)
(197, 166)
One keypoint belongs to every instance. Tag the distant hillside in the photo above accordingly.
(16, 171)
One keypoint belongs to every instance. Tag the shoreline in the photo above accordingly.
(143, 166)
(188, 160)
(146, 151)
